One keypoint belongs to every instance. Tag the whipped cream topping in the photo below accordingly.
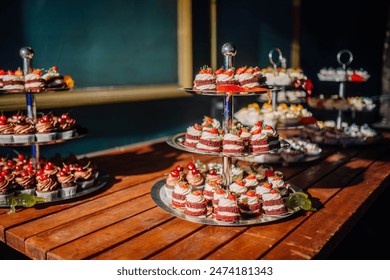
(225, 78)
(195, 198)
(225, 202)
(260, 190)
(210, 136)
(271, 196)
(235, 188)
(47, 185)
(201, 146)
(273, 207)
(193, 131)
(181, 190)
(195, 179)
(251, 182)
(250, 200)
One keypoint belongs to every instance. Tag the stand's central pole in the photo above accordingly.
(228, 51)
(27, 55)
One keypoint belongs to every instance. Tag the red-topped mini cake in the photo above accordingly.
(192, 135)
(273, 203)
(53, 79)
(226, 81)
(13, 81)
(232, 143)
(179, 194)
(250, 77)
(195, 205)
(250, 204)
(174, 177)
(238, 187)
(205, 79)
(228, 209)
(34, 82)
(210, 141)
(195, 179)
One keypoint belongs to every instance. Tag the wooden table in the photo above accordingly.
(123, 222)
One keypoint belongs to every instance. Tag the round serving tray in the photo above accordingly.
(160, 198)
(177, 141)
(277, 158)
(99, 183)
(55, 141)
(264, 89)
(3, 91)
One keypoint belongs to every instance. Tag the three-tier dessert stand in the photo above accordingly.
(27, 55)
(158, 192)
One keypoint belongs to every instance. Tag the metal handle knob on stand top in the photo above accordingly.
(348, 54)
(27, 54)
(229, 51)
(283, 63)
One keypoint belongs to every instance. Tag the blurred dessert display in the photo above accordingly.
(340, 75)
(355, 103)
(288, 96)
(326, 132)
(284, 115)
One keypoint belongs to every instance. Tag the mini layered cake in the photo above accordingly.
(262, 189)
(13, 81)
(179, 194)
(205, 79)
(251, 181)
(228, 209)
(273, 203)
(53, 79)
(249, 77)
(34, 82)
(210, 141)
(226, 80)
(192, 135)
(195, 205)
(250, 204)
(2, 73)
(232, 143)
(219, 193)
(209, 189)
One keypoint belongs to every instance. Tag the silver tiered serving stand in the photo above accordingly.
(158, 192)
(27, 55)
(342, 84)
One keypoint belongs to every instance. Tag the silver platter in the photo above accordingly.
(160, 198)
(177, 141)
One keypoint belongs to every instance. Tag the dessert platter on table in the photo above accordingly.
(26, 180)
(223, 193)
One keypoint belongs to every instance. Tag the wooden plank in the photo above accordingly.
(150, 242)
(264, 238)
(16, 236)
(199, 244)
(105, 239)
(339, 214)
(37, 246)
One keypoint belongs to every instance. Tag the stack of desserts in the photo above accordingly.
(201, 193)
(356, 103)
(242, 80)
(57, 177)
(209, 137)
(325, 132)
(285, 115)
(36, 81)
(340, 75)
(20, 129)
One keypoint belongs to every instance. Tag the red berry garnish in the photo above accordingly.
(191, 166)
(220, 191)
(251, 177)
(214, 131)
(3, 117)
(65, 169)
(257, 131)
(197, 193)
(19, 167)
(231, 197)
(39, 172)
(21, 157)
(251, 193)
(179, 168)
(4, 172)
(213, 172)
(267, 185)
(43, 177)
(269, 173)
(1, 178)
(10, 163)
(273, 191)
(30, 169)
(48, 167)
(80, 169)
(24, 174)
(174, 173)
(240, 183)
(194, 171)
(3, 122)
(63, 174)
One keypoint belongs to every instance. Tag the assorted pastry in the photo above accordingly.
(210, 137)
(285, 115)
(325, 132)
(18, 128)
(340, 75)
(36, 81)
(201, 192)
(287, 96)
(356, 103)
(57, 177)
